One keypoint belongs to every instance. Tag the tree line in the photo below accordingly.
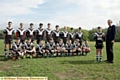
(87, 34)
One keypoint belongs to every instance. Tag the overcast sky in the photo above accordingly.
(74, 13)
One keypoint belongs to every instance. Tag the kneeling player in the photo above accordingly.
(30, 49)
(17, 50)
(76, 47)
(40, 49)
(50, 47)
(69, 48)
(85, 48)
(60, 47)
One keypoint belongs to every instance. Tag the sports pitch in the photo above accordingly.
(63, 68)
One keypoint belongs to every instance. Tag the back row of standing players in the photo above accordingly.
(40, 34)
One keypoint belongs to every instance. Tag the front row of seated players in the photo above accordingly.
(28, 49)
(60, 48)
(20, 50)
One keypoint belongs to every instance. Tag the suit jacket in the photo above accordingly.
(111, 33)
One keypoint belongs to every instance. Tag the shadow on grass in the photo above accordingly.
(81, 62)
(2, 58)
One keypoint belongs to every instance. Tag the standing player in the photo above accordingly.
(64, 35)
(79, 36)
(21, 33)
(8, 34)
(99, 37)
(56, 34)
(48, 33)
(71, 35)
(40, 33)
(30, 33)
(86, 48)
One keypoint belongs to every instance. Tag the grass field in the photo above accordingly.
(64, 68)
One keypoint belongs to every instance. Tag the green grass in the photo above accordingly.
(64, 68)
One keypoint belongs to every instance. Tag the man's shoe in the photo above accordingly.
(110, 62)
(106, 60)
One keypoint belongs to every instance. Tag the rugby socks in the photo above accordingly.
(5, 52)
(96, 57)
(100, 58)
(10, 50)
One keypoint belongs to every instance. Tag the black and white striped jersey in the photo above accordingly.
(79, 35)
(64, 34)
(60, 45)
(9, 32)
(50, 45)
(17, 46)
(48, 32)
(21, 31)
(30, 32)
(71, 35)
(69, 46)
(86, 45)
(76, 45)
(29, 46)
(40, 47)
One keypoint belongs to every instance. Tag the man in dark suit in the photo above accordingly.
(110, 39)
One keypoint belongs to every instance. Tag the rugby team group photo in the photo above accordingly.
(50, 43)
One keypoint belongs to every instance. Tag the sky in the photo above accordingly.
(87, 14)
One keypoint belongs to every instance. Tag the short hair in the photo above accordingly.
(17, 38)
(99, 27)
(49, 24)
(71, 28)
(41, 24)
(61, 39)
(21, 23)
(57, 26)
(80, 28)
(110, 20)
(29, 38)
(9, 22)
(31, 24)
(77, 39)
(50, 39)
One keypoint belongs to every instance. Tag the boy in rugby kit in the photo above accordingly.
(29, 48)
(69, 48)
(64, 35)
(79, 36)
(71, 35)
(8, 34)
(17, 50)
(48, 33)
(30, 33)
(56, 34)
(99, 37)
(60, 47)
(40, 49)
(50, 47)
(86, 48)
(77, 46)
(40, 33)
(21, 33)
